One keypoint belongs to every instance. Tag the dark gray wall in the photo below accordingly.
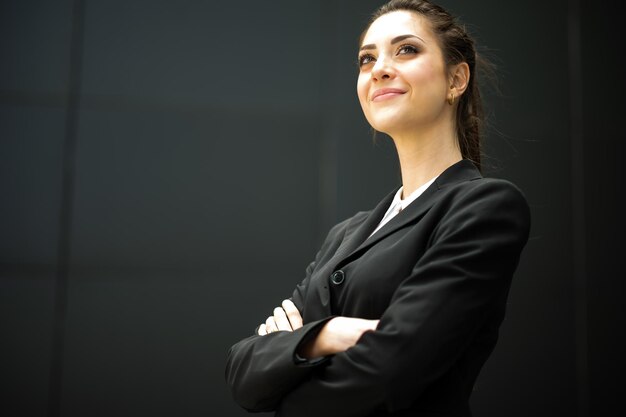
(168, 169)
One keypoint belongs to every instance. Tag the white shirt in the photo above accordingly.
(398, 204)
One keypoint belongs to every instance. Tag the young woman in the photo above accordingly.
(402, 304)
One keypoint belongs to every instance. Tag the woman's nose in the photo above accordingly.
(382, 70)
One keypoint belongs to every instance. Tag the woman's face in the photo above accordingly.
(402, 83)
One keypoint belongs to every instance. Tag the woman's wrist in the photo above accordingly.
(337, 335)
(315, 347)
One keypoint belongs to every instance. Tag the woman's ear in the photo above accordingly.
(459, 78)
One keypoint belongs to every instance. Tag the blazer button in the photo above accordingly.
(337, 277)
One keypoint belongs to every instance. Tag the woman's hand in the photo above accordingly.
(338, 335)
(287, 317)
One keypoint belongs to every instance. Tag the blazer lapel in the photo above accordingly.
(358, 232)
(463, 170)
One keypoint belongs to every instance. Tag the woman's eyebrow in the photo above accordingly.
(403, 37)
(394, 40)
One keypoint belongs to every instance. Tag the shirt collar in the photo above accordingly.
(414, 195)
(399, 204)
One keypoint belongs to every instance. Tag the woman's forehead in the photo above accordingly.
(397, 23)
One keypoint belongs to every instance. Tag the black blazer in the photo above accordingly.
(437, 276)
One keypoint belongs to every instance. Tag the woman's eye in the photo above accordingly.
(407, 49)
(365, 59)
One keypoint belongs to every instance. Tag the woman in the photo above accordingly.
(401, 307)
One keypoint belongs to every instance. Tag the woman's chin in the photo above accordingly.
(386, 126)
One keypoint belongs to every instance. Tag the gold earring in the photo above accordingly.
(451, 99)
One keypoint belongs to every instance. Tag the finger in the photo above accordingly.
(281, 319)
(270, 325)
(292, 314)
(261, 331)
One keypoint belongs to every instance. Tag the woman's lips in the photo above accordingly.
(386, 94)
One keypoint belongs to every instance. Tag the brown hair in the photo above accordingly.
(457, 46)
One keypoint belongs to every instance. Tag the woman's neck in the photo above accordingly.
(425, 155)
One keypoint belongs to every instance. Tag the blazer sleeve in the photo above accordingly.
(261, 370)
(462, 279)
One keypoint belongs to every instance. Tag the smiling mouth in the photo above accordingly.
(386, 94)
